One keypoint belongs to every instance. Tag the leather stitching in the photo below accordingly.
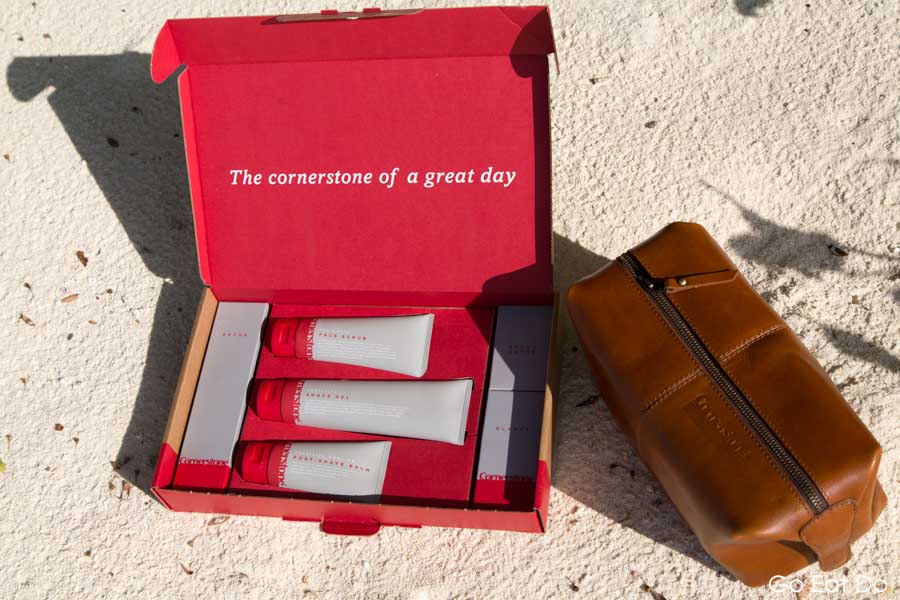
(801, 502)
(671, 390)
(746, 427)
(655, 311)
(755, 405)
(715, 389)
(725, 357)
(750, 341)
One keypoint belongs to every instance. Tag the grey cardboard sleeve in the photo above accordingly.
(220, 400)
(521, 343)
(511, 435)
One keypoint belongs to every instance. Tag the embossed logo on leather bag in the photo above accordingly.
(700, 412)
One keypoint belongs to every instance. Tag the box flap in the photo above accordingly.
(490, 31)
(319, 161)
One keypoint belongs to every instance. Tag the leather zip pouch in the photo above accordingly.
(751, 440)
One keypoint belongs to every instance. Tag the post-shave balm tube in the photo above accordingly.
(395, 344)
(334, 468)
(427, 410)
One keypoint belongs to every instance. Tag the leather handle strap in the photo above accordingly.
(674, 285)
(828, 534)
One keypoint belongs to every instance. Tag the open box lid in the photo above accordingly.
(351, 108)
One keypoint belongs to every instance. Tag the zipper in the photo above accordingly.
(791, 467)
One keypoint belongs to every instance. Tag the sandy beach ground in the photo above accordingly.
(773, 123)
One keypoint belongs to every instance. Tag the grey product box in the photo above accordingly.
(521, 343)
(511, 435)
(217, 412)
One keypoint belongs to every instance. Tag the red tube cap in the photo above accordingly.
(282, 333)
(254, 462)
(266, 400)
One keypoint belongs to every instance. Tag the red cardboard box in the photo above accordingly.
(363, 164)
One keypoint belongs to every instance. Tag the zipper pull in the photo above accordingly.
(649, 283)
(639, 273)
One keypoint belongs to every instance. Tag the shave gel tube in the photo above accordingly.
(334, 468)
(395, 344)
(426, 410)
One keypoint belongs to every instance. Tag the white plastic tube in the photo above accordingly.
(395, 344)
(426, 410)
(334, 468)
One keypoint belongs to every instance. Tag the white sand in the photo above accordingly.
(774, 126)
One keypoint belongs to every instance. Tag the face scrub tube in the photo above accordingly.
(334, 468)
(426, 410)
(395, 344)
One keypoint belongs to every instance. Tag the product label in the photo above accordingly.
(508, 454)
(297, 405)
(315, 399)
(220, 400)
(398, 344)
(511, 436)
(309, 335)
(430, 410)
(297, 465)
(339, 345)
(521, 343)
(338, 468)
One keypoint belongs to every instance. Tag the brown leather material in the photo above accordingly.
(828, 534)
(679, 284)
(712, 453)
(665, 255)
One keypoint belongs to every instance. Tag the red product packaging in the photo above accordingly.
(374, 164)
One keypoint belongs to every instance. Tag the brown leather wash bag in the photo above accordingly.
(744, 430)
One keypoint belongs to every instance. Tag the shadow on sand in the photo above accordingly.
(128, 131)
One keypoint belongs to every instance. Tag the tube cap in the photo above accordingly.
(266, 400)
(254, 462)
(282, 333)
